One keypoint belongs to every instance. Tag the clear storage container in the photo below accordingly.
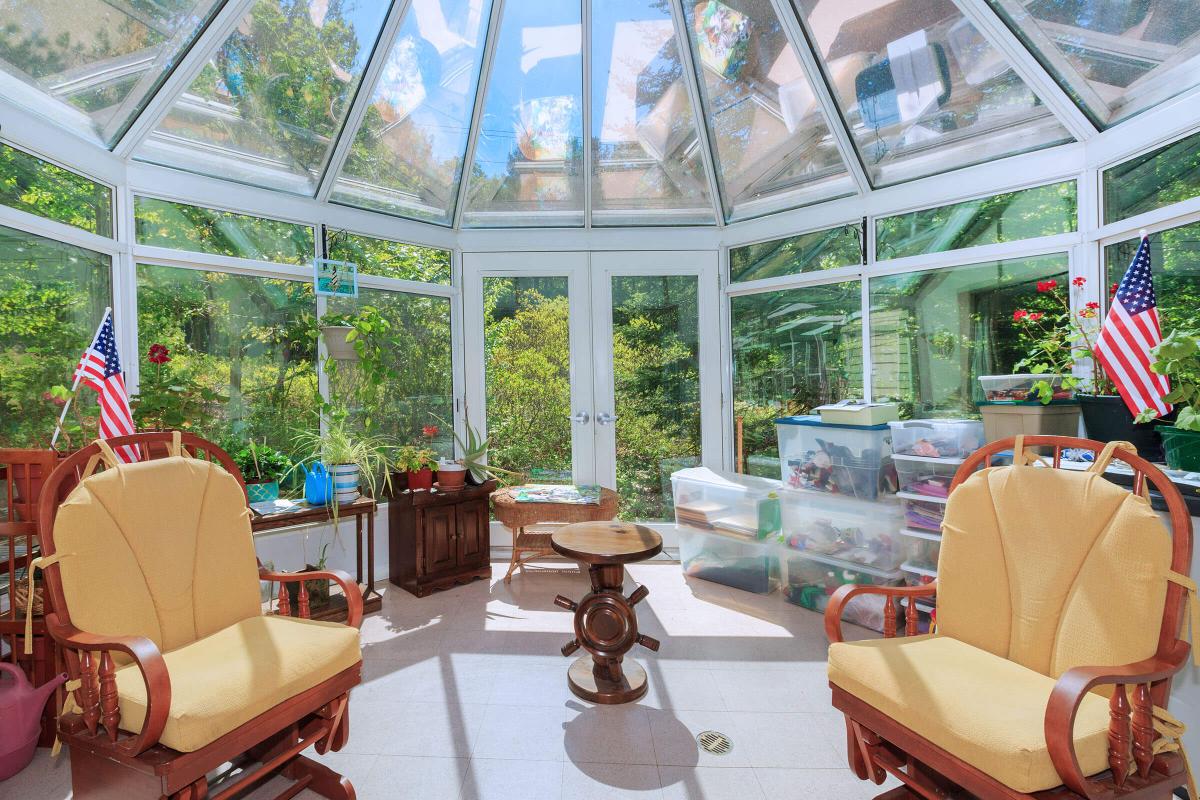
(936, 438)
(853, 532)
(751, 566)
(742, 506)
(1019, 388)
(917, 575)
(926, 477)
(923, 513)
(921, 548)
(839, 459)
(812, 579)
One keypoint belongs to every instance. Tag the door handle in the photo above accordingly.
(604, 418)
(582, 417)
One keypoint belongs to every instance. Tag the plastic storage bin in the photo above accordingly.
(923, 513)
(845, 530)
(917, 575)
(921, 548)
(747, 565)
(811, 580)
(741, 506)
(1019, 388)
(936, 438)
(840, 459)
(926, 477)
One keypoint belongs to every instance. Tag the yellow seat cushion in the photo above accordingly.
(986, 710)
(232, 676)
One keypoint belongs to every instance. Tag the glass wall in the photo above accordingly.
(1008, 217)
(933, 333)
(163, 223)
(792, 350)
(389, 259)
(1175, 261)
(1164, 176)
(30, 184)
(52, 299)
(808, 252)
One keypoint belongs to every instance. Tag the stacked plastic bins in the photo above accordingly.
(729, 528)
(927, 454)
(841, 518)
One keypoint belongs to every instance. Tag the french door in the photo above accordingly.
(596, 367)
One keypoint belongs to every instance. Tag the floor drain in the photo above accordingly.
(715, 742)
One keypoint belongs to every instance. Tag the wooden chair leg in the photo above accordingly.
(854, 753)
(320, 778)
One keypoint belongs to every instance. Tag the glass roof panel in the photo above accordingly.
(921, 89)
(646, 162)
(528, 166)
(92, 65)
(407, 155)
(268, 105)
(772, 142)
(1114, 57)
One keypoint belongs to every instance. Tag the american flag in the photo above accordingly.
(100, 368)
(1129, 331)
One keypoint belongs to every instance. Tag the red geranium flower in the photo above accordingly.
(159, 354)
(1112, 289)
(1045, 286)
(1035, 316)
(1093, 305)
(1020, 314)
(429, 431)
(1079, 281)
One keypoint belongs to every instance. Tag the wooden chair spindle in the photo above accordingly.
(1119, 736)
(910, 618)
(889, 618)
(302, 600)
(110, 712)
(1143, 729)
(285, 603)
(91, 691)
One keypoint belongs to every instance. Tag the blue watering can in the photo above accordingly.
(318, 484)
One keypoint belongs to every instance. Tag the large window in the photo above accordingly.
(30, 184)
(1175, 256)
(250, 340)
(52, 297)
(792, 350)
(209, 230)
(934, 333)
(807, 252)
(389, 259)
(1167, 175)
(1007, 217)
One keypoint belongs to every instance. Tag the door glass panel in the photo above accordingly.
(527, 366)
(656, 381)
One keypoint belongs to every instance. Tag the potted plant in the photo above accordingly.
(166, 401)
(474, 458)
(353, 460)
(337, 332)
(417, 463)
(1178, 357)
(1057, 338)
(262, 467)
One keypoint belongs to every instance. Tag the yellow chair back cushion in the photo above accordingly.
(160, 549)
(1052, 569)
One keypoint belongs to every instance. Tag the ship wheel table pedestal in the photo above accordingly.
(605, 620)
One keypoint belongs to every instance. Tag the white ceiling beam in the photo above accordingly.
(42, 137)
(834, 121)
(181, 77)
(683, 43)
(362, 99)
(481, 89)
(585, 44)
(1030, 70)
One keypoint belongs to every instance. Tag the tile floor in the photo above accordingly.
(464, 697)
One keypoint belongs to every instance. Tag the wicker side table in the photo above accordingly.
(523, 520)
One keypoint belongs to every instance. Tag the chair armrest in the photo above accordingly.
(354, 603)
(1069, 693)
(844, 594)
(145, 654)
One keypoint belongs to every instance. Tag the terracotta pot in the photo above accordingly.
(451, 477)
(421, 479)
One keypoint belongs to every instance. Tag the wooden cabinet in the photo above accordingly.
(439, 539)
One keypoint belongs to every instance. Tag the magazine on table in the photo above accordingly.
(553, 493)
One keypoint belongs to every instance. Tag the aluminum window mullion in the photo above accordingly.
(495, 20)
(585, 43)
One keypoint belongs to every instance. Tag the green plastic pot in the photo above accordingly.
(1183, 449)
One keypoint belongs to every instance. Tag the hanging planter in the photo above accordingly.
(335, 342)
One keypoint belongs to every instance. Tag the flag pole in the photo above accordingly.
(75, 386)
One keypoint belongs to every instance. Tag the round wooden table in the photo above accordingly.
(605, 620)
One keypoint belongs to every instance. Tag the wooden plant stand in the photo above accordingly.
(605, 621)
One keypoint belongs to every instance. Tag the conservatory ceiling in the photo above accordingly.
(562, 113)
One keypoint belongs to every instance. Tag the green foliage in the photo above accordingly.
(410, 458)
(1178, 357)
(388, 258)
(39, 187)
(257, 461)
(808, 252)
(342, 444)
(168, 402)
(207, 230)
(1167, 175)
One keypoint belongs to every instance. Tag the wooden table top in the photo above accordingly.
(305, 513)
(606, 542)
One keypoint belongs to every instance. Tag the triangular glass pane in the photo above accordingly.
(772, 142)
(647, 167)
(528, 166)
(407, 155)
(921, 89)
(1114, 57)
(92, 65)
(267, 107)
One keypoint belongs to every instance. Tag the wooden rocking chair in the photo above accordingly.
(1060, 600)
(174, 669)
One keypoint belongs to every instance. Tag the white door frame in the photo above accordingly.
(574, 267)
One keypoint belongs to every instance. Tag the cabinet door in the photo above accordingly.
(473, 538)
(438, 538)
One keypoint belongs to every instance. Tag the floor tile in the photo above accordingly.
(674, 734)
(610, 782)
(608, 734)
(415, 729)
(710, 783)
(807, 784)
(505, 779)
(531, 733)
(414, 776)
(789, 739)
